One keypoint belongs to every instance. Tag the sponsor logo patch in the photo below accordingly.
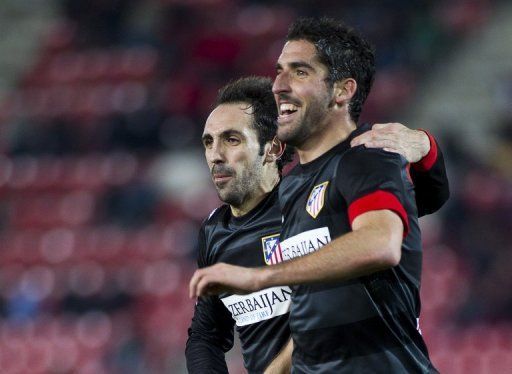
(316, 199)
(271, 249)
(304, 243)
(258, 306)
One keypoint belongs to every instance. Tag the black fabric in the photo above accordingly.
(373, 316)
(431, 187)
(237, 240)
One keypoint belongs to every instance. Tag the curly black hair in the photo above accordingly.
(343, 50)
(256, 92)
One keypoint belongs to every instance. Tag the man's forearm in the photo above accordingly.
(282, 363)
(360, 252)
(373, 245)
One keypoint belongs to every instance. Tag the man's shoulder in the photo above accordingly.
(209, 227)
(360, 155)
(215, 216)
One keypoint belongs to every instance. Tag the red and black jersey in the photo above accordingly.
(368, 324)
(261, 318)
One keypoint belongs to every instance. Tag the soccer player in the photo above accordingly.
(245, 160)
(350, 236)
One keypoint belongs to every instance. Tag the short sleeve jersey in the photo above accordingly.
(261, 318)
(368, 324)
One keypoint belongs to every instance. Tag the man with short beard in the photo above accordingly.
(350, 236)
(246, 160)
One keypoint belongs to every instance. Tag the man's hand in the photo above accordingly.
(224, 278)
(396, 138)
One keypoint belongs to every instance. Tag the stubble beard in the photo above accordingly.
(307, 125)
(241, 188)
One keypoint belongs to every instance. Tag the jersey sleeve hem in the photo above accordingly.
(378, 200)
(426, 163)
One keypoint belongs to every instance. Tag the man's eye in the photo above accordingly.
(233, 140)
(301, 73)
(207, 143)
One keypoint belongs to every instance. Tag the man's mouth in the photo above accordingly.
(286, 112)
(221, 178)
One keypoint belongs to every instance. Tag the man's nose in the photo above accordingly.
(216, 153)
(281, 83)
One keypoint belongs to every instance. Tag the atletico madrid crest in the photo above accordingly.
(272, 249)
(316, 199)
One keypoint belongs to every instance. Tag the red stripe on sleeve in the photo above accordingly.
(426, 163)
(378, 200)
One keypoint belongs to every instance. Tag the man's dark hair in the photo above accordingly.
(344, 51)
(256, 92)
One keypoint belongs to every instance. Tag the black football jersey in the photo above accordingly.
(261, 318)
(368, 324)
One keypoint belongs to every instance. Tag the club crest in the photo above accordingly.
(316, 199)
(271, 249)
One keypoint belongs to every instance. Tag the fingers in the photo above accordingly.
(361, 139)
(223, 277)
(395, 138)
(382, 135)
(392, 150)
(207, 281)
(379, 132)
(380, 126)
(371, 139)
(202, 286)
(390, 126)
(199, 283)
(192, 286)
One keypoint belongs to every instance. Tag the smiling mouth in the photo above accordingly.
(286, 112)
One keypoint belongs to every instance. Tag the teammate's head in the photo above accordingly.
(256, 93)
(240, 142)
(324, 64)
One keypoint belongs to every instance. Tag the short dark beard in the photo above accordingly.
(309, 124)
(235, 199)
(243, 187)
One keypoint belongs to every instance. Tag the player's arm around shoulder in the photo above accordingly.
(413, 145)
(420, 148)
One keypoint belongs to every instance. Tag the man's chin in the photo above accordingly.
(288, 136)
(285, 132)
(229, 198)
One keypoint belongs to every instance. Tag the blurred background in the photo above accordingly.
(103, 184)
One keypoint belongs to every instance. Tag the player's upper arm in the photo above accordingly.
(374, 180)
(211, 323)
(384, 228)
(210, 335)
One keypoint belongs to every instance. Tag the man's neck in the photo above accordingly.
(257, 197)
(320, 143)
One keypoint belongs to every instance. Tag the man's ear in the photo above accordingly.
(344, 90)
(275, 151)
